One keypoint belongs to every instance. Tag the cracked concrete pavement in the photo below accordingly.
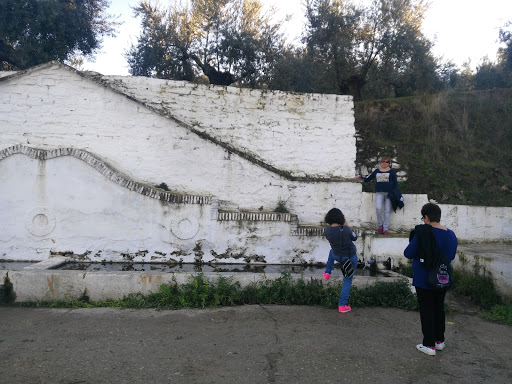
(249, 344)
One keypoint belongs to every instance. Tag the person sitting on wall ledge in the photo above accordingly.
(386, 182)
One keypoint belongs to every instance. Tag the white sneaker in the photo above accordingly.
(440, 345)
(428, 350)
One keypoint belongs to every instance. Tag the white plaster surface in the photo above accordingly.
(64, 204)
(53, 107)
(304, 134)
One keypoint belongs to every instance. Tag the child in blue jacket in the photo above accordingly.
(425, 241)
(341, 239)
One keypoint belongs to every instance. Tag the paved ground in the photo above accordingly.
(250, 344)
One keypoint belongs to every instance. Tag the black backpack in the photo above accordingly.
(439, 276)
(347, 268)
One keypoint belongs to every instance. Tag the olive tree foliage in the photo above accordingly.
(498, 74)
(37, 31)
(379, 47)
(505, 53)
(226, 41)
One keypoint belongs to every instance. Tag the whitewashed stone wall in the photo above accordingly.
(53, 107)
(302, 134)
(71, 203)
(470, 223)
(78, 160)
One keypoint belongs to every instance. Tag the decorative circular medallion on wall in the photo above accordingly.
(40, 221)
(184, 228)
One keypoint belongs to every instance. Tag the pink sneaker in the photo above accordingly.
(344, 308)
(379, 230)
(326, 276)
(386, 233)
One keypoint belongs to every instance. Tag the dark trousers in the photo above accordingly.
(432, 315)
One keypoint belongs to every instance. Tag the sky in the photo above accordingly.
(461, 30)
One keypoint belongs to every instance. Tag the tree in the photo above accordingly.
(381, 43)
(225, 40)
(448, 75)
(330, 37)
(37, 31)
(488, 75)
(505, 53)
(292, 71)
(498, 74)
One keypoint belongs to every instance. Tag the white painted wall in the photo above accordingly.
(63, 204)
(53, 107)
(58, 201)
(470, 223)
(304, 134)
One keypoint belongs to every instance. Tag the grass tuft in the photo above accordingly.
(499, 314)
(480, 288)
(7, 294)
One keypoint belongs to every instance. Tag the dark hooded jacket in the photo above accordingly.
(426, 244)
(396, 198)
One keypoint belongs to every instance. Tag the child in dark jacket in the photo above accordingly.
(423, 244)
(341, 239)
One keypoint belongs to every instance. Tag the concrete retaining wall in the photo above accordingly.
(49, 285)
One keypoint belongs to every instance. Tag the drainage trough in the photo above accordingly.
(59, 278)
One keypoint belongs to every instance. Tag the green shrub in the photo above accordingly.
(405, 269)
(7, 294)
(198, 292)
(455, 147)
(480, 288)
(500, 314)
(382, 294)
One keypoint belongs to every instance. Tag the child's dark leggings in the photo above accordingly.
(432, 315)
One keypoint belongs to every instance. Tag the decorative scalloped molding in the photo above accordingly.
(308, 231)
(256, 216)
(106, 170)
(295, 228)
(117, 177)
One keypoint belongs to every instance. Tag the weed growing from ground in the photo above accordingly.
(7, 294)
(480, 288)
(499, 314)
(397, 295)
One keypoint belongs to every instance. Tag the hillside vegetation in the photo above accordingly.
(455, 147)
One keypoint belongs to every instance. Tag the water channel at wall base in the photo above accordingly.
(362, 269)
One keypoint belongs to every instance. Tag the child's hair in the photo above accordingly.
(432, 211)
(335, 216)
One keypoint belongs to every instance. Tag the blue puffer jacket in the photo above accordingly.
(445, 239)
